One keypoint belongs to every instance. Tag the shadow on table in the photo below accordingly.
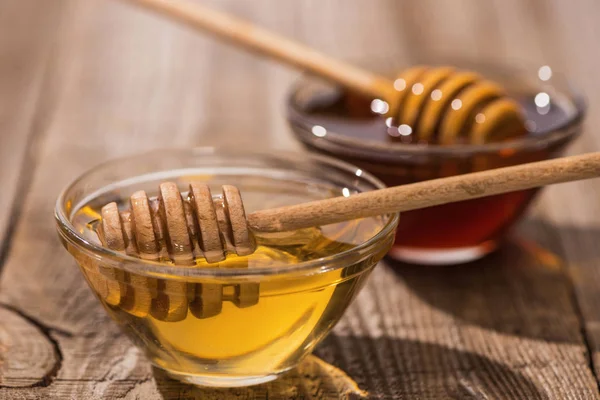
(522, 289)
(382, 368)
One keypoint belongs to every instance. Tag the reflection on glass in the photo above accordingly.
(379, 106)
(418, 88)
(319, 131)
(530, 125)
(456, 104)
(542, 99)
(404, 130)
(399, 84)
(545, 73)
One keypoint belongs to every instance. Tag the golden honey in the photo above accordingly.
(239, 327)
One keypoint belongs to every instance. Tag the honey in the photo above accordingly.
(343, 124)
(219, 326)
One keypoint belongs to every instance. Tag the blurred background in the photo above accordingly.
(84, 81)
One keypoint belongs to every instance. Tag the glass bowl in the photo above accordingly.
(319, 115)
(249, 319)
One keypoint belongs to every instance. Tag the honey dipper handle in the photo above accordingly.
(428, 193)
(252, 37)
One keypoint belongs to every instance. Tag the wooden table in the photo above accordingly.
(83, 81)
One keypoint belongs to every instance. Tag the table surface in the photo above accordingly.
(85, 81)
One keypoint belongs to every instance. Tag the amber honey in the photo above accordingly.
(343, 124)
(238, 328)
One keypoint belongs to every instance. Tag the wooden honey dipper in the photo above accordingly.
(198, 226)
(449, 106)
(437, 104)
(168, 227)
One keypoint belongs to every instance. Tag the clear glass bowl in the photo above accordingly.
(268, 315)
(451, 233)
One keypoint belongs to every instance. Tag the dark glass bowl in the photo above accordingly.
(452, 233)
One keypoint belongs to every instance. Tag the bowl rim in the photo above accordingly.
(67, 231)
(335, 142)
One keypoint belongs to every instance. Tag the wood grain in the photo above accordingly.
(517, 325)
(26, 352)
(572, 216)
(313, 379)
(24, 61)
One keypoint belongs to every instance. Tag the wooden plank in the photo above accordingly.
(21, 362)
(506, 327)
(313, 379)
(24, 49)
(571, 213)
